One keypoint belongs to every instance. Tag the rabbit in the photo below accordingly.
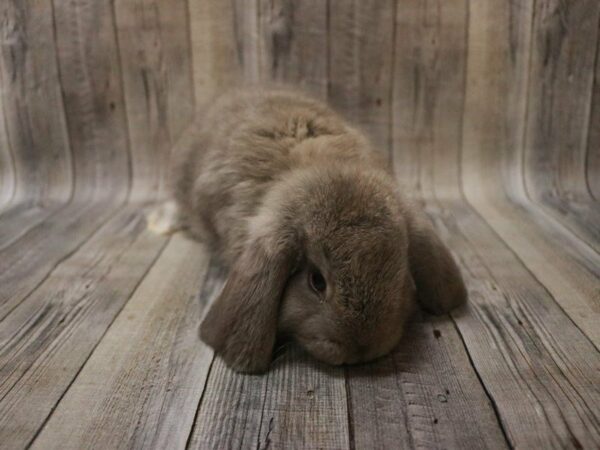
(321, 246)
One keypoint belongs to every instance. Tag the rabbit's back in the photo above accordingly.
(245, 142)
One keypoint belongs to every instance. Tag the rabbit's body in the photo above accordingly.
(320, 245)
(247, 141)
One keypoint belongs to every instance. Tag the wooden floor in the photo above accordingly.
(99, 347)
(489, 110)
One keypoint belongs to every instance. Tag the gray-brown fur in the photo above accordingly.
(280, 186)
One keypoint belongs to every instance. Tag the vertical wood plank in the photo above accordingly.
(361, 60)
(216, 63)
(562, 71)
(31, 101)
(294, 43)
(560, 93)
(428, 93)
(7, 167)
(141, 386)
(155, 54)
(91, 86)
(495, 112)
(593, 144)
(247, 38)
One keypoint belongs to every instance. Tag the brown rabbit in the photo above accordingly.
(321, 246)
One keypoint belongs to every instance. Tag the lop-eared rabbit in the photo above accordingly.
(320, 244)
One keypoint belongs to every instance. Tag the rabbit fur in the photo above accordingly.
(320, 244)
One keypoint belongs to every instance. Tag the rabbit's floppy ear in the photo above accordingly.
(241, 324)
(440, 286)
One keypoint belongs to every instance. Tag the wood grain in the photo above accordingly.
(26, 262)
(490, 114)
(299, 401)
(533, 360)
(141, 386)
(154, 49)
(563, 56)
(407, 400)
(428, 94)
(493, 182)
(294, 43)
(7, 166)
(215, 62)
(361, 60)
(90, 81)
(46, 339)
(31, 101)
(593, 144)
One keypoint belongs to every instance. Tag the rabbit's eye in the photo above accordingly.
(317, 281)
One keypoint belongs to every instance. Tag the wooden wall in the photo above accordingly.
(482, 99)
(487, 109)
(490, 97)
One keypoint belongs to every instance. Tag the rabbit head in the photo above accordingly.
(334, 259)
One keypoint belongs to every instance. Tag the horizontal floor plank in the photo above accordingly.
(47, 338)
(298, 401)
(425, 395)
(141, 386)
(26, 262)
(541, 371)
(566, 266)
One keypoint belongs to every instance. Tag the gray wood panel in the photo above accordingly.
(535, 363)
(294, 40)
(34, 118)
(492, 177)
(425, 395)
(154, 50)
(7, 165)
(91, 85)
(26, 262)
(490, 114)
(593, 135)
(361, 59)
(563, 57)
(141, 385)
(48, 337)
(428, 94)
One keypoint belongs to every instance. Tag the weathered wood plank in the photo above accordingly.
(294, 43)
(425, 395)
(8, 179)
(17, 219)
(361, 60)
(229, 414)
(542, 372)
(31, 100)
(559, 99)
(48, 337)
(141, 386)
(499, 36)
(216, 64)
(155, 58)
(26, 262)
(305, 404)
(593, 145)
(299, 402)
(91, 85)
(428, 93)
